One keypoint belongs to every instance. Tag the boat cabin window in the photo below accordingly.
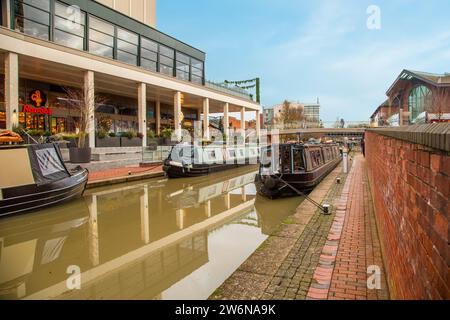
(299, 164)
(232, 153)
(285, 159)
(316, 158)
(212, 154)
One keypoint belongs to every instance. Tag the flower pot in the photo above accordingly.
(80, 155)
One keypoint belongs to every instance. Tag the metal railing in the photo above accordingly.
(241, 93)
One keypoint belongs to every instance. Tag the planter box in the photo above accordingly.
(133, 142)
(108, 142)
(80, 155)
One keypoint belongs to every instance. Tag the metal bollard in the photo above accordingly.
(345, 160)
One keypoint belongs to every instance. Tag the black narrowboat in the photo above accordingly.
(187, 160)
(34, 177)
(286, 168)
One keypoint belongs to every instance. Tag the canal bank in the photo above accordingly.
(314, 256)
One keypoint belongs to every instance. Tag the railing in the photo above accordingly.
(241, 93)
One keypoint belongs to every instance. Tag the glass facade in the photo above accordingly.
(32, 17)
(149, 54)
(418, 100)
(69, 26)
(101, 38)
(66, 25)
(166, 59)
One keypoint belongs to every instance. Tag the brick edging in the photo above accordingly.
(436, 135)
(324, 271)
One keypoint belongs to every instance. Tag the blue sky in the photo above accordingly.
(308, 49)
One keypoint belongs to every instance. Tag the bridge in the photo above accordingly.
(332, 133)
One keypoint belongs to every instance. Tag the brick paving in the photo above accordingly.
(122, 172)
(313, 256)
(352, 246)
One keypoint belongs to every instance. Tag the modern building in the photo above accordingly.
(129, 74)
(416, 97)
(311, 113)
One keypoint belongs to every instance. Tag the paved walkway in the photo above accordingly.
(122, 172)
(352, 246)
(314, 256)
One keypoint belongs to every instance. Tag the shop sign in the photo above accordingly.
(38, 98)
(30, 109)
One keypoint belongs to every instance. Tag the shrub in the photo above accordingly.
(102, 134)
(36, 133)
(112, 134)
(105, 124)
(68, 136)
(130, 134)
(140, 135)
(167, 133)
(151, 134)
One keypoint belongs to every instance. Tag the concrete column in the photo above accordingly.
(145, 219)
(158, 117)
(11, 89)
(89, 100)
(226, 120)
(258, 124)
(206, 118)
(94, 254)
(177, 114)
(142, 112)
(243, 122)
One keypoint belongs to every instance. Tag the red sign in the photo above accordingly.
(29, 109)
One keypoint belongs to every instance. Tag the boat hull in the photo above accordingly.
(175, 172)
(32, 197)
(273, 186)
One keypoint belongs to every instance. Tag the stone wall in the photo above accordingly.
(409, 174)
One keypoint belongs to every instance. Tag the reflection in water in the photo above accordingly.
(177, 239)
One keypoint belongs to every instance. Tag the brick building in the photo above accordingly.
(417, 97)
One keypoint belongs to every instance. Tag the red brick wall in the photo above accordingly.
(411, 189)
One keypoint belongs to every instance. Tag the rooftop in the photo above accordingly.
(434, 79)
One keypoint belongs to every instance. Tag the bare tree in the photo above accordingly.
(290, 115)
(81, 101)
(438, 102)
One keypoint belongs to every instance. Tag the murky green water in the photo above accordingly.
(161, 239)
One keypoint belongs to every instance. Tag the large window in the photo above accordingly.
(149, 54)
(419, 97)
(101, 37)
(183, 62)
(32, 17)
(127, 46)
(69, 26)
(197, 71)
(166, 58)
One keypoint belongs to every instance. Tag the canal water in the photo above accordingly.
(160, 239)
